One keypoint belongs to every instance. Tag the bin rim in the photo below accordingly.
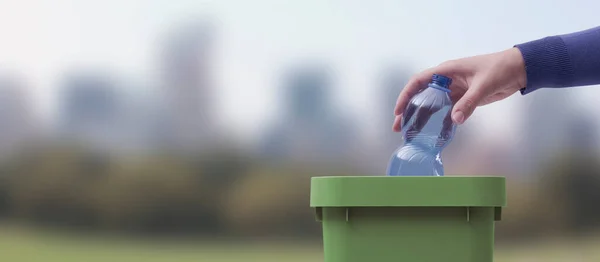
(406, 191)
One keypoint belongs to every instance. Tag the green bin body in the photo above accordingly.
(412, 219)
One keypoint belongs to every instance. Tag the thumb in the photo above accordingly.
(466, 104)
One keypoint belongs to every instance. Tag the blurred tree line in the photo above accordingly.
(562, 200)
(229, 193)
(224, 192)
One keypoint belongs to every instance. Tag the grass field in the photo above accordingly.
(18, 245)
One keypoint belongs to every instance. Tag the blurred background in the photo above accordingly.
(188, 130)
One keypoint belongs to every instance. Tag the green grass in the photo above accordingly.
(20, 245)
(552, 251)
(25, 245)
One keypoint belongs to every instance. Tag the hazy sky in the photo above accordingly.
(256, 38)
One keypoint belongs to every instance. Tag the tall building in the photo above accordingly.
(311, 128)
(107, 112)
(91, 109)
(18, 123)
(186, 63)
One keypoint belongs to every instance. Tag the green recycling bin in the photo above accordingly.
(412, 219)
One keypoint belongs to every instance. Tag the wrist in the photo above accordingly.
(516, 67)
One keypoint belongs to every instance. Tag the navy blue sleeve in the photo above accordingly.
(562, 61)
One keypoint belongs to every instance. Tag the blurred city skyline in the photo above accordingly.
(251, 47)
(194, 71)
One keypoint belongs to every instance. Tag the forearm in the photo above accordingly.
(563, 60)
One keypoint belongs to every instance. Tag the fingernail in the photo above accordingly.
(459, 117)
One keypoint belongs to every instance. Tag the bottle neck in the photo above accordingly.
(438, 87)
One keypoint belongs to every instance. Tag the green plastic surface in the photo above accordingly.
(366, 191)
(420, 219)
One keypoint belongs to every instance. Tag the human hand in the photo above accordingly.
(476, 81)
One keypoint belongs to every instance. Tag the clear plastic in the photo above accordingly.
(427, 128)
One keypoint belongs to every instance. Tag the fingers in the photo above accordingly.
(447, 129)
(419, 81)
(465, 106)
(397, 123)
(408, 113)
(405, 116)
(413, 86)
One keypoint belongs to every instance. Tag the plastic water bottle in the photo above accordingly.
(426, 129)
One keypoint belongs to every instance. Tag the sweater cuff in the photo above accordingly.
(547, 63)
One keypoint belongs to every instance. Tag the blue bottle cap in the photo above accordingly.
(441, 82)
